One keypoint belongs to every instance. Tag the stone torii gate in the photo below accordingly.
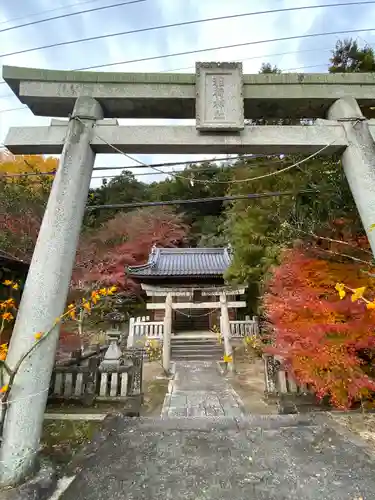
(220, 98)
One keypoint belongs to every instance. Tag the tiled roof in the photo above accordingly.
(169, 262)
(5, 256)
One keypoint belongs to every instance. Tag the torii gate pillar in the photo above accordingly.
(45, 295)
(358, 160)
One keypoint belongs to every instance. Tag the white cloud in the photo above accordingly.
(309, 51)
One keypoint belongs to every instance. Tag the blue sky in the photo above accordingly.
(313, 54)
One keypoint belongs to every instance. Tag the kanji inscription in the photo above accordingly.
(219, 97)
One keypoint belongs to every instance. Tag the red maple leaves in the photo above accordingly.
(323, 339)
(125, 240)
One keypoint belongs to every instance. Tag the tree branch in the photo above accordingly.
(332, 240)
(368, 263)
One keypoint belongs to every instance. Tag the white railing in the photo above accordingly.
(143, 327)
(239, 329)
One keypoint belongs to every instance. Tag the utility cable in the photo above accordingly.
(77, 4)
(222, 47)
(173, 25)
(198, 51)
(173, 174)
(291, 52)
(206, 182)
(212, 169)
(191, 201)
(70, 14)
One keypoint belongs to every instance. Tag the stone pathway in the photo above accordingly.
(214, 453)
(198, 390)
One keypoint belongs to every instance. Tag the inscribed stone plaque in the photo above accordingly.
(219, 96)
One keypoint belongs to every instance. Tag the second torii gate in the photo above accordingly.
(220, 98)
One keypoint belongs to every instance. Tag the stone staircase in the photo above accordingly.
(195, 349)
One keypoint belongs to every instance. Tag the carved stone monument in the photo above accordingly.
(219, 97)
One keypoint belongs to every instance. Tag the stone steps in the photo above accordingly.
(194, 349)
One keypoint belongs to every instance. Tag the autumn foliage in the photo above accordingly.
(125, 240)
(103, 253)
(326, 342)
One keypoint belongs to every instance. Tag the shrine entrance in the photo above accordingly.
(191, 320)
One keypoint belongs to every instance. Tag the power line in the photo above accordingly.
(70, 14)
(222, 47)
(191, 162)
(184, 23)
(207, 181)
(154, 165)
(246, 59)
(249, 196)
(48, 10)
(257, 42)
(261, 57)
(208, 50)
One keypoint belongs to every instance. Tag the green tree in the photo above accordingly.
(348, 57)
(122, 189)
(259, 229)
(268, 68)
(201, 180)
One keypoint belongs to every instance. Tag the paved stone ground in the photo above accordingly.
(277, 457)
(198, 390)
(268, 457)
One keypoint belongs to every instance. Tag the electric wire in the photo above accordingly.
(173, 25)
(70, 14)
(238, 181)
(249, 196)
(77, 4)
(246, 59)
(165, 164)
(222, 47)
(198, 51)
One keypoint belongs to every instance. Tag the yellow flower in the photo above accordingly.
(4, 388)
(72, 314)
(227, 358)
(10, 303)
(112, 290)
(38, 335)
(103, 291)
(95, 296)
(340, 287)
(71, 306)
(8, 316)
(3, 351)
(87, 306)
(15, 286)
(7, 282)
(358, 293)
(370, 305)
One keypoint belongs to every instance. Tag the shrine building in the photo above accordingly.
(194, 278)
